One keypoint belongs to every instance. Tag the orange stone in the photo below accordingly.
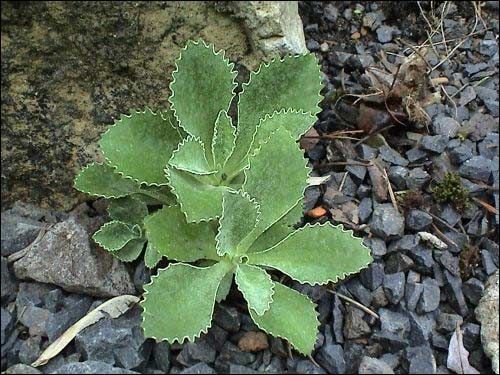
(316, 212)
(253, 342)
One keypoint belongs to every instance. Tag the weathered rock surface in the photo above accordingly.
(487, 315)
(272, 26)
(65, 257)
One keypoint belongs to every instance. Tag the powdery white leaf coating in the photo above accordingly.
(202, 86)
(239, 218)
(291, 82)
(279, 188)
(102, 181)
(179, 301)
(131, 250)
(128, 210)
(256, 286)
(172, 236)
(190, 157)
(291, 316)
(316, 254)
(279, 230)
(198, 199)
(223, 139)
(140, 145)
(151, 256)
(114, 235)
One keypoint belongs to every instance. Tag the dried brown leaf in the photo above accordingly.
(458, 356)
(114, 308)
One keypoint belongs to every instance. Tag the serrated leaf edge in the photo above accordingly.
(135, 199)
(127, 260)
(268, 116)
(223, 112)
(150, 247)
(179, 200)
(284, 337)
(96, 195)
(119, 122)
(175, 339)
(244, 296)
(190, 138)
(150, 217)
(247, 168)
(176, 69)
(338, 278)
(257, 72)
(112, 222)
(282, 59)
(252, 200)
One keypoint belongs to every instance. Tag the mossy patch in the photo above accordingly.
(451, 190)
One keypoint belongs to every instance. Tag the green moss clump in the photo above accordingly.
(452, 190)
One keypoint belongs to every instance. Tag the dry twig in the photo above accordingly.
(355, 303)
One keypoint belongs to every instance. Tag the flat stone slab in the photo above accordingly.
(65, 257)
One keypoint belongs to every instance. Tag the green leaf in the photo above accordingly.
(179, 302)
(239, 218)
(279, 230)
(190, 157)
(297, 123)
(316, 254)
(291, 316)
(131, 250)
(202, 86)
(114, 235)
(256, 286)
(199, 200)
(101, 180)
(172, 236)
(151, 256)
(155, 195)
(294, 82)
(140, 145)
(128, 210)
(223, 140)
(224, 287)
(276, 177)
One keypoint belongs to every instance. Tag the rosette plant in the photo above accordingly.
(219, 201)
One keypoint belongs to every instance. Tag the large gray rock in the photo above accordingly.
(65, 257)
(272, 26)
(71, 68)
(487, 315)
